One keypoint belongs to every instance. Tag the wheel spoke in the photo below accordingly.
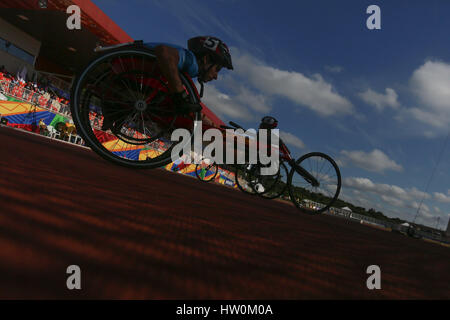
(315, 199)
(110, 86)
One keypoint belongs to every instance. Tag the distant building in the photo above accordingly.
(345, 212)
(404, 227)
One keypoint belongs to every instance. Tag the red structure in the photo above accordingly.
(63, 51)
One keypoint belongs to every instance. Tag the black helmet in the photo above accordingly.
(212, 46)
(268, 122)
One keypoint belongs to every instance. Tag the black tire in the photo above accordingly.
(139, 142)
(274, 185)
(310, 199)
(212, 167)
(242, 178)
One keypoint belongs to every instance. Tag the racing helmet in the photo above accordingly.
(268, 122)
(212, 46)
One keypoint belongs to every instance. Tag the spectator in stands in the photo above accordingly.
(46, 97)
(33, 92)
(43, 128)
(8, 75)
(55, 105)
(50, 101)
(35, 98)
(65, 107)
(71, 130)
(23, 92)
(96, 119)
(11, 86)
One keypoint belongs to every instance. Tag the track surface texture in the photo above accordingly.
(154, 234)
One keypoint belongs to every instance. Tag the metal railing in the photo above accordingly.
(16, 90)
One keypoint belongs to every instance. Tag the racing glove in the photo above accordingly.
(182, 103)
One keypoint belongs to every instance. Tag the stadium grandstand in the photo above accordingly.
(39, 58)
(37, 47)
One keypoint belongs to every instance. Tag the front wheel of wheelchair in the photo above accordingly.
(121, 106)
(207, 170)
(309, 197)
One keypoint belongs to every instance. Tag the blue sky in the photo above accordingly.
(378, 101)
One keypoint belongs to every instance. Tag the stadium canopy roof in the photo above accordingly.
(65, 51)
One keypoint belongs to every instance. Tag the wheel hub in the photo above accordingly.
(140, 105)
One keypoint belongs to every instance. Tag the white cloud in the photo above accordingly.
(223, 105)
(257, 102)
(441, 197)
(375, 161)
(391, 191)
(358, 198)
(424, 210)
(393, 201)
(403, 202)
(262, 84)
(311, 92)
(241, 103)
(432, 118)
(415, 193)
(360, 184)
(291, 139)
(379, 100)
(431, 83)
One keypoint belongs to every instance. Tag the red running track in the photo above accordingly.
(158, 235)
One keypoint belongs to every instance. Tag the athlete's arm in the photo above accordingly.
(207, 123)
(168, 58)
